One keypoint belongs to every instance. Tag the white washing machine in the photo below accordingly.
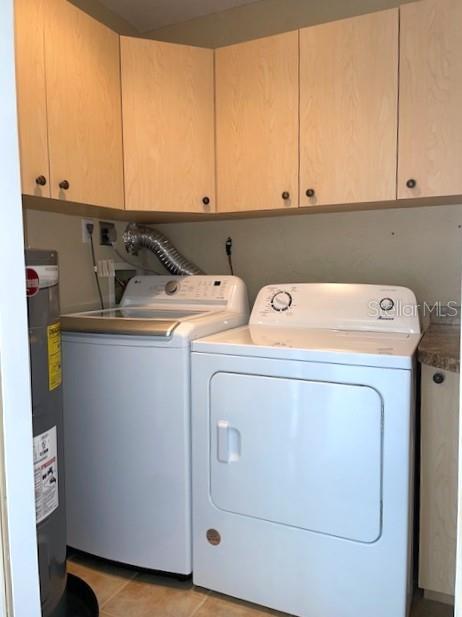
(127, 416)
(303, 433)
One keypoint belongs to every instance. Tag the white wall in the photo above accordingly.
(16, 420)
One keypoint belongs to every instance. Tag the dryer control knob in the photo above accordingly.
(386, 304)
(171, 287)
(281, 301)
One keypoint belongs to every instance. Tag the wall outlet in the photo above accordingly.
(107, 233)
(85, 234)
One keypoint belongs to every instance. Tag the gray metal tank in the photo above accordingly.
(47, 421)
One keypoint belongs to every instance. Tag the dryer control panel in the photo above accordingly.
(339, 306)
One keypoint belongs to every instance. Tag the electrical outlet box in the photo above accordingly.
(85, 234)
(107, 233)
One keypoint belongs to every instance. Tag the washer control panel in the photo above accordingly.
(337, 306)
(202, 290)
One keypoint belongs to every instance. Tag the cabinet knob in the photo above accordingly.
(411, 183)
(64, 184)
(286, 195)
(310, 192)
(206, 200)
(40, 180)
(438, 378)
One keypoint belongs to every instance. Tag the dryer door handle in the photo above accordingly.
(228, 442)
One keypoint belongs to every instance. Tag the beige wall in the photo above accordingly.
(47, 230)
(419, 247)
(416, 247)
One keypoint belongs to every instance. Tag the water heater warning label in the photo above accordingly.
(54, 356)
(45, 474)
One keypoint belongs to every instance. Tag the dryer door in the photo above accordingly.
(296, 452)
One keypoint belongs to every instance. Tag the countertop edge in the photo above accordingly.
(440, 347)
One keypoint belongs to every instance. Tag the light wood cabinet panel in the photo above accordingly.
(349, 110)
(31, 93)
(84, 107)
(430, 121)
(168, 119)
(438, 492)
(257, 124)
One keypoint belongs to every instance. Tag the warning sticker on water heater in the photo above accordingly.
(54, 356)
(45, 474)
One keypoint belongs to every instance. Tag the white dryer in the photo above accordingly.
(303, 434)
(127, 416)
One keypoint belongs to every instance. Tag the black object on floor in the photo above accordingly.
(80, 598)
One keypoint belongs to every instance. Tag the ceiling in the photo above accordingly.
(147, 15)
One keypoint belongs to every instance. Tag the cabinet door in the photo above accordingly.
(257, 124)
(430, 102)
(84, 107)
(348, 110)
(31, 92)
(168, 118)
(438, 480)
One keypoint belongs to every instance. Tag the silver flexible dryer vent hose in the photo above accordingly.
(136, 237)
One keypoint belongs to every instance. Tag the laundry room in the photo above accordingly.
(239, 228)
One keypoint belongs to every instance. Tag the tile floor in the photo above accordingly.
(123, 592)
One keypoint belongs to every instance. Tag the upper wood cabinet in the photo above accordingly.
(430, 119)
(349, 110)
(84, 107)
(168, 119)
(309, 117)
(31, 92)
(257, 124)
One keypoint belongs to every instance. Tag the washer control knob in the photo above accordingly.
(171, 287)
(386, 304)
(281, 301)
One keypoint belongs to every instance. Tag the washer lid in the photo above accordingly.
(128, 320)
(364, 348)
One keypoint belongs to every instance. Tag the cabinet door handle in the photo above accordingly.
(438, 378)
(64, 184)
(206, 200)
(40, 180)
(310, 192)
(286, 195)
(411, 183)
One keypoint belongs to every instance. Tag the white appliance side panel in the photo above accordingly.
(288, 568)
(301, 453)
(127, 448)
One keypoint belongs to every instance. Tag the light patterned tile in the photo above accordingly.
(103, 577)
(218, 605)
(155, 596)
